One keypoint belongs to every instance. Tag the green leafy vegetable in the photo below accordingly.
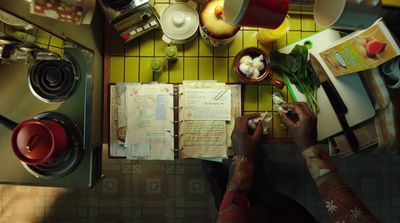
(299, 71)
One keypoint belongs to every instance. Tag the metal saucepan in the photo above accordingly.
(36, 142)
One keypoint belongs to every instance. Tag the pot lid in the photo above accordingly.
(179, 21)
(32, 141)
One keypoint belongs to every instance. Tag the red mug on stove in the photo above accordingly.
(36, 142)
(256, 13)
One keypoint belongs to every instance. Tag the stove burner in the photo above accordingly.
(67, 161)
(54, 80)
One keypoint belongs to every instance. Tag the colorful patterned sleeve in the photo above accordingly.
(341, 202)
(235, 204)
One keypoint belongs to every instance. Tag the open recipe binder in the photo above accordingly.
(164, 121)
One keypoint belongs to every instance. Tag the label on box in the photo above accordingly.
(361, 50)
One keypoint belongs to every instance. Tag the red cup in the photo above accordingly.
(256, 13)
(39, 141)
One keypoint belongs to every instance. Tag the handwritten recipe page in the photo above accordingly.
(150, 119)
(207, 104)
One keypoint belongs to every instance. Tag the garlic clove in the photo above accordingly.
(255, 74)
(246, 68)
(277, 98)
(258, 63)
(245, 59)
(279, 108)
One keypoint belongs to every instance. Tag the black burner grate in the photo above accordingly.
(53, 80)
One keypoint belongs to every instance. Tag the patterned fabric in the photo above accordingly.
(57, 9)
(340, 201)
(385, 105)
(235, 205)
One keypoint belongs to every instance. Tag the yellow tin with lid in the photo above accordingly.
(213, 29)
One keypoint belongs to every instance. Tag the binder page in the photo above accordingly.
(207, 104)
(116, 145)
(201, 139)
(236, 91)
(150, 122)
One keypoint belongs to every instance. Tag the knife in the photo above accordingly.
(337, 102)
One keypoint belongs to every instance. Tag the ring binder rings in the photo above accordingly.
(177, 93)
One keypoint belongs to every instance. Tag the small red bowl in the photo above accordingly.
(254, 52)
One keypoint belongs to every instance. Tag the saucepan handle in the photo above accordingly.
(277, 83)
(7, 123)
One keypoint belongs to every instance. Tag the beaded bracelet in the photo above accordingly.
(241, 157)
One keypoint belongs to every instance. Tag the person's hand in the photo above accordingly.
(244, 140)
(304, 131)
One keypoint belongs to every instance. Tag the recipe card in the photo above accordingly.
(207, 104)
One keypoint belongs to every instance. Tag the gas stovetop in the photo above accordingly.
(57, 90)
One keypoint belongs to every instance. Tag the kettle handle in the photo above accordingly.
(7, 123)
(166, 39)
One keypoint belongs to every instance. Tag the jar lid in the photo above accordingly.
(179, 21)
(32, 141)
(170, 51)
(156, 64)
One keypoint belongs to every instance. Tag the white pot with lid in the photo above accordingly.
(180, 22)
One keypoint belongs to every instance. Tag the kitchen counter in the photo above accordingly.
(198, 61)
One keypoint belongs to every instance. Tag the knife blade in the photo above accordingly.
(337, 102)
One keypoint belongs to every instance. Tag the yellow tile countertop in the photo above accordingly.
(199, 61)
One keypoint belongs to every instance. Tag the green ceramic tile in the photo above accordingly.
(221, 51)
(278, 130)
(221, 69)
(250, 98)
(307, 23)
(236, 46)
(57, 50)
(147, 44)
(131, 69)
(232, 76)
(116, 69)
(293, 36)
(205, 69)
(176, 71)
(250, 39)
(191, 71)
(295, 22)
(132, 49)
(42, 37)
(57, 42)
(205, 49)
(265, 97)
(159, 44)
(192, 48)
(164, 76)
(145, 73)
